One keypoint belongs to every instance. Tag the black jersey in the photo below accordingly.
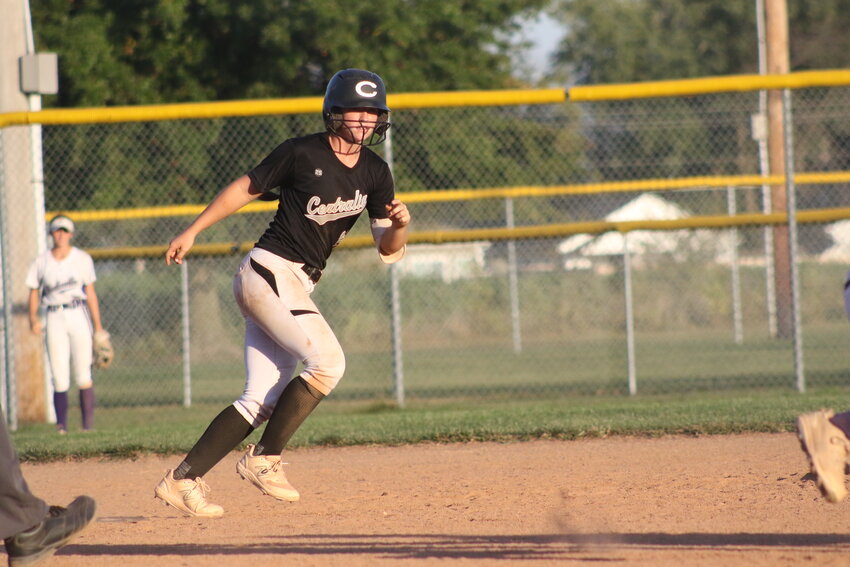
(320, 198)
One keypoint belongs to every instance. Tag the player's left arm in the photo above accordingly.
(390, 225)
(94, 307)
(395, 236)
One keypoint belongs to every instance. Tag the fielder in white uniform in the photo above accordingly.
(62, 280)
(326, 180)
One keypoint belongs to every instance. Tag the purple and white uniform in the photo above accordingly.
(68, 325)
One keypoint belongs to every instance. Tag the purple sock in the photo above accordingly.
(87, 407)
(60, 404)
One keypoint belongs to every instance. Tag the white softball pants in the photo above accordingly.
(69, 347)
(281, 330)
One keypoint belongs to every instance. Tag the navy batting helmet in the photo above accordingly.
(356, 88)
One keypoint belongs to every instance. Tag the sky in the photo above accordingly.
(546, 34)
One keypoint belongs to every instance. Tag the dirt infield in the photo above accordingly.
(708, 501)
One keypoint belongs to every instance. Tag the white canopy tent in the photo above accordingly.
(581, 251)
(840, 250)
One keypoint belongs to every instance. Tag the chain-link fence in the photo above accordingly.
(563, 304)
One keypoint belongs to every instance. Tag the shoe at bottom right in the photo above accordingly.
(827, 449)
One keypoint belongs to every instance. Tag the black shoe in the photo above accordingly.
(54, 531)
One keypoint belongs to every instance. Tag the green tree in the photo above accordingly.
(165, 51)
(154, 51)
(818, 34)
(637, 40)
(621, 41)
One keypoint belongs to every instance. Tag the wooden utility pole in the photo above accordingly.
(18, 221)
(778, 62)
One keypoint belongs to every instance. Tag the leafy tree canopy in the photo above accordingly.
(612, 41)
(157, 51)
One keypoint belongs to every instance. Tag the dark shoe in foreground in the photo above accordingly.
(827, 448)
(58, 528)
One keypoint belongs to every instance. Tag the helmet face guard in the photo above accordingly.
(356, 89)
(335, 124)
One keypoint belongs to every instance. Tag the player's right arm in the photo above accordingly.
(232, 198)
(35, 322)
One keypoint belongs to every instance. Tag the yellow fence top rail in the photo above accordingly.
(671, 184)
(306, 105)
(709, 85)
(481, 234)
(506, 97)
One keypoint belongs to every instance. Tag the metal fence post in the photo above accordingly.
(3, 357)
(737, 318)
(187, 335)
(398, 360)
(395, 304)
(630, 316)
(7, 356)
(769, 268)
(4, 324)
(513, 278)
(759, 128)
(791, 195)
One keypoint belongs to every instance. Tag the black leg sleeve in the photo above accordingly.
(297, 401)
(224, 433)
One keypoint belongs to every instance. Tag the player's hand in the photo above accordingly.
(398, 213)
(36, 327)
(178, 248)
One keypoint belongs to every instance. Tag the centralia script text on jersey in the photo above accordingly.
(320, 214)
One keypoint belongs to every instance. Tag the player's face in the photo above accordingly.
(358, 125)
(61, 236)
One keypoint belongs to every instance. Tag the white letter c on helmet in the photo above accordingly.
(366, 89)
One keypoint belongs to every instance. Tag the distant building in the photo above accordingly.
(840, 249)
(449, 262)
(601, 252)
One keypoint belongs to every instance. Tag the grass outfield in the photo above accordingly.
(669, 363)
(129, 432)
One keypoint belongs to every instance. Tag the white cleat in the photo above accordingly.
(187, 495)
(266, 473)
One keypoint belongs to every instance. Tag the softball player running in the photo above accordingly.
(326, 181)
(62, 278)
